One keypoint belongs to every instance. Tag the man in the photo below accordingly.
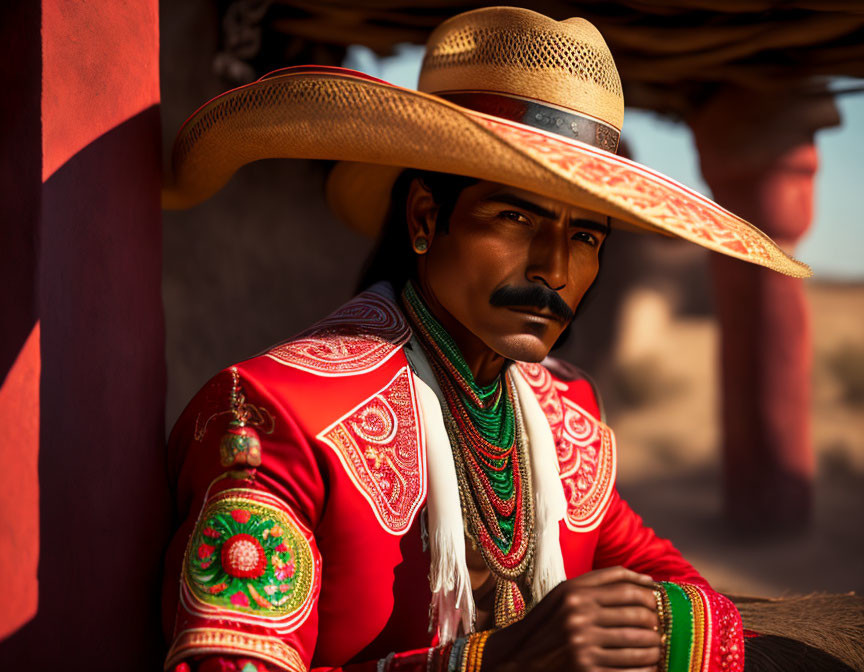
(328, 487)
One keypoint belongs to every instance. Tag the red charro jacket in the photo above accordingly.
(316, 558)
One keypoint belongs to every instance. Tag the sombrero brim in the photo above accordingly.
(338, 114)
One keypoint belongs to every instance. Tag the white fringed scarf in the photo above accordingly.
(452, 599)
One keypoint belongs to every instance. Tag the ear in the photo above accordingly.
(421, 211)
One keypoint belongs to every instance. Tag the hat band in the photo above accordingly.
(540, 115)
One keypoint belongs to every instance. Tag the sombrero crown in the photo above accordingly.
(556, 75)
(506, 95)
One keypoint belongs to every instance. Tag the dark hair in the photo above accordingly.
(393, 259)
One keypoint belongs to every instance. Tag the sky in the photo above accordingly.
(834, 246)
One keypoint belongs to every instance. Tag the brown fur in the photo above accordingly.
(832, 623)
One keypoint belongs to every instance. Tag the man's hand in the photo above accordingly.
(600, 621)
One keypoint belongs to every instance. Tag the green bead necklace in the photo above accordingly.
(491, 464)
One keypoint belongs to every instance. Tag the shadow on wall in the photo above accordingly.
(103, 517)
(21, 186)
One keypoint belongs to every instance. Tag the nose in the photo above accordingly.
(549, 257)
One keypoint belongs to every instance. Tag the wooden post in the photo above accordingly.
(758, 156)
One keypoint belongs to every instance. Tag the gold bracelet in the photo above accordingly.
(661, 612)
(481, 645)
(698, 625)
(474, 651)
(463, 664)
(664, 616)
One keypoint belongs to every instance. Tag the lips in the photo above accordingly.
(533, 312)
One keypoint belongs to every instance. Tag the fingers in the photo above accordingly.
(627, 638)
(634, 616)
(604, 619)
(608, 575)
(622, 594)
(627, 658)
(600, 578)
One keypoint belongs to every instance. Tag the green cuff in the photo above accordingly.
(680, 635)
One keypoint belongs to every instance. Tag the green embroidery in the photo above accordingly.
(681, 638)
(248, 556)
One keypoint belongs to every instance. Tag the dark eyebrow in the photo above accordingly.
(591, 225)
(540, 211)
(515, 201)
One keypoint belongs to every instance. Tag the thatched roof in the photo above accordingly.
(671, 53)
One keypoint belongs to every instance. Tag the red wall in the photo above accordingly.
(82, 491)
(20, 185)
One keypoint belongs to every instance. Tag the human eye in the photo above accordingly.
(586, 237)
(514, 216)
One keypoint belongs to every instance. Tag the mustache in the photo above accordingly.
(532, 296)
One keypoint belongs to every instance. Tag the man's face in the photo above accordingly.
(513, 267)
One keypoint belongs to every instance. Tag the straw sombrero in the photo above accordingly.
(506, 95)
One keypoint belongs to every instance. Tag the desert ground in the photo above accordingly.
(670, 466)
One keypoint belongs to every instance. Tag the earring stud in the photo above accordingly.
(421, 244)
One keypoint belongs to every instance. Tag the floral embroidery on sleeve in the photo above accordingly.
(251, 561)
